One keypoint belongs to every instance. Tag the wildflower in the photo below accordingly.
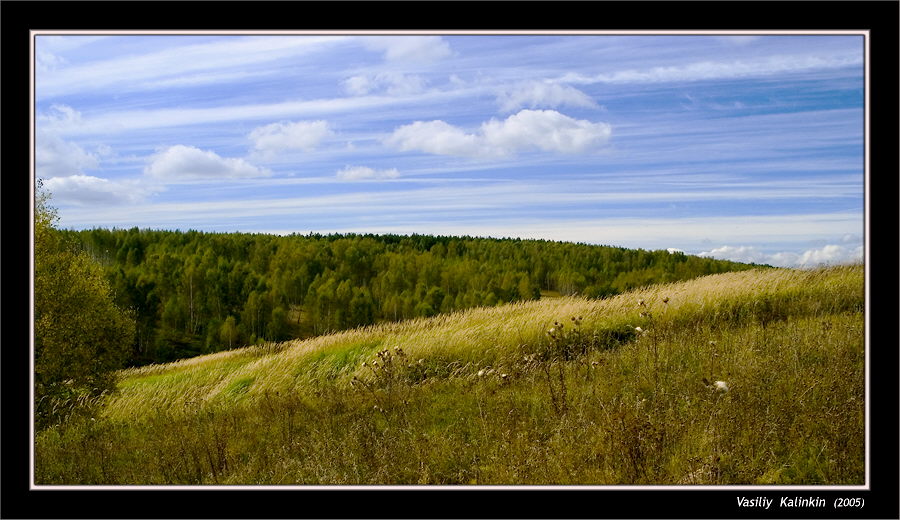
(721, 386)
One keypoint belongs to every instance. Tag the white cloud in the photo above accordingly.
(354, 173)
(391, 83)
(55, 157)
(181, 162)
(748, 254)
(87, 190)
(739, 40)
(543, 94)
(712, 70)
(121, 121)
(140, 71)
(545, 130)
(436, 137)
(59, 118)
(286, 136)
(828, 255)
(421, 49)
(47, 61)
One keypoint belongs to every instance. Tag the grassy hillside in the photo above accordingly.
(755, 377)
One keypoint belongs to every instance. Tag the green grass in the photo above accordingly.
(487, 396)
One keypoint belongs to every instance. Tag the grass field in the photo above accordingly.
(755, 377)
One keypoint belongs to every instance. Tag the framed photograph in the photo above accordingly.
(481, 260)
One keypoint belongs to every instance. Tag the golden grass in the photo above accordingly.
(470, 339)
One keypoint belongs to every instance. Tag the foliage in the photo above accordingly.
(463, 398)
(194, 293)
(80, 336)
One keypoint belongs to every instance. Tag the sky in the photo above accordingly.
(741, 147)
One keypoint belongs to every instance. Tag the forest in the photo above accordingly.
(192, 293)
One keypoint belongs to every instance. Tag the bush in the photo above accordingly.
(80, 336)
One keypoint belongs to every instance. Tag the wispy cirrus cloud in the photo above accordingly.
(357, 173)
(716, 70)
(141, 71)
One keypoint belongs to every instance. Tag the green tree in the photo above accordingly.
(229, 332)
(80, 336)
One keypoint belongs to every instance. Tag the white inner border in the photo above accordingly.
(866, 238)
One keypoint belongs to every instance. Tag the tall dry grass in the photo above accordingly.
(621, 390)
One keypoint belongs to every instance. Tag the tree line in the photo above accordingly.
(192, 292)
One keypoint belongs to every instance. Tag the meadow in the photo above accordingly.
(751, 377)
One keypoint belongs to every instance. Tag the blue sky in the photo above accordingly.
(744, 147)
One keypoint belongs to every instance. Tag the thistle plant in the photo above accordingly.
(390, 375)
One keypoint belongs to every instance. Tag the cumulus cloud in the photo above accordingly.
(419, 49)
(188, 162)
(748, 254)
(536, 94)
(354, 173)
(286, 136)
(87, 190)
(55, 157)
(436, 137)
(545, 130)
(391, 83)
(831, 254)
